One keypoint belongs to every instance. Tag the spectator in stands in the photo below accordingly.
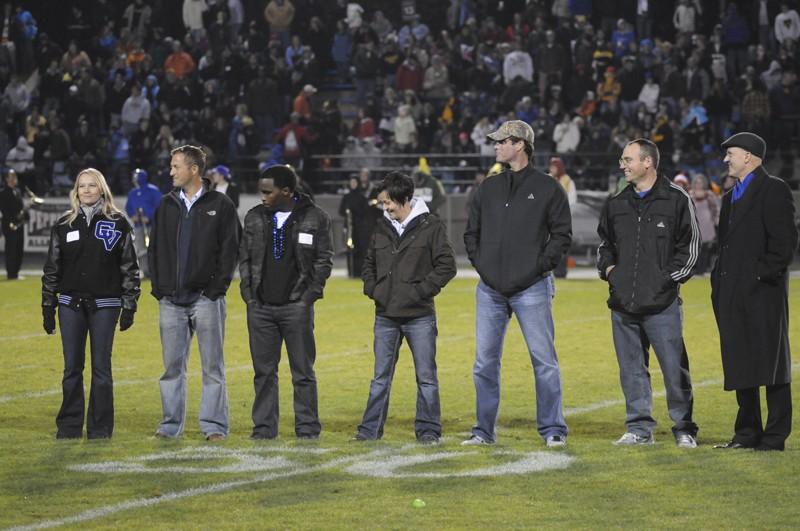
(222, 181)
(367, 67)
(517, 62)
(608, 90)
(380, 25)
(787, 26)
(342, 50)
(428, 188)
(567, 134)
(294, 52)
(685, 16)
(649, 93)
(405, 130)
(295, 139)
(20, 159)
(622, 37)
(193, 11)
(736, 36)
(135, 109)
(137, 17)
(415, 30)
(302, 102)
(74, 59)
(548, 61)
(279, 14)
(706, 207)
(179, 62)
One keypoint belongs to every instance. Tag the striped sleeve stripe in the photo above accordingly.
(694, 244)
(108, 303)
(65, 299)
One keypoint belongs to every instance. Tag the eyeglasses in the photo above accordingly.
(626, 161)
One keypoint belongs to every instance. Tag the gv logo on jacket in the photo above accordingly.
(106, 232)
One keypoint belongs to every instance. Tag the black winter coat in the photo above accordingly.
(402, 274)
(212, 250)
(311, 236)
(515, 237)
(653, 243)
(749, 283)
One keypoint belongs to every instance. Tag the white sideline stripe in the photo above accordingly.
(100, 512)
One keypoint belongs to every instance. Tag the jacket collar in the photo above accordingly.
(746, 202)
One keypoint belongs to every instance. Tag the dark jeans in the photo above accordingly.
(420, 333)
(15, 242)
(75, 324)
(749, 431)
(268, 327)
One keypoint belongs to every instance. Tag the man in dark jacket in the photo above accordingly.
(519, 226)
(12, 209)
(408, 262)
(285, 258)
(749, 292)
(649, 243)
(192, 254)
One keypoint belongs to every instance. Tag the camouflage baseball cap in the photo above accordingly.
(515, 128)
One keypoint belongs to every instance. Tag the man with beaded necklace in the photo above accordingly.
(285, 257)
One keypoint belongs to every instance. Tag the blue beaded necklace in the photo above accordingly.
(279, 235)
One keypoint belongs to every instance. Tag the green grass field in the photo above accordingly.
(135, 481)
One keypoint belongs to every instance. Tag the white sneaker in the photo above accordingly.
(684, 440)
(475, 440)
(630, 439)
(554, 441)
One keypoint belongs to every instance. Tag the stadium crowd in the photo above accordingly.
(117, 86)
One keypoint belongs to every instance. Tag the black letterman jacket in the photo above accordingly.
(97, 260)
(653, 244)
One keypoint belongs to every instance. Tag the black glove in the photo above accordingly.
(49, 319)
(125, 319)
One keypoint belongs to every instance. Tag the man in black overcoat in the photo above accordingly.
(749, 293)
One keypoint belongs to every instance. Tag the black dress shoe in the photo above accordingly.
(767, 448)
(731, 445)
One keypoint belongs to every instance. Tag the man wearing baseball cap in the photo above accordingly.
(749, 293)
(222, 181)
(519, 227)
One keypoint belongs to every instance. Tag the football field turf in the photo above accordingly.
(136, 481)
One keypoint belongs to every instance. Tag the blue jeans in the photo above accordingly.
(533, 308)
(75, 324)
(421, 336)
(178, 325)
(633, 335)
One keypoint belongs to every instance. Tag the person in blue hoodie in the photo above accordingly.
(142, 202)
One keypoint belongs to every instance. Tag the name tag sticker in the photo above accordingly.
(305, 238)
(73, 236)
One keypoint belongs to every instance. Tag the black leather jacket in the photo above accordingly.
(310, 229)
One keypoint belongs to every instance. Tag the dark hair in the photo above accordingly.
(194, 156)
(647, 149)
(398, 186)
(528, 147)
(282, 176)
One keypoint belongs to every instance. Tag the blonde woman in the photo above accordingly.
(91, 274)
